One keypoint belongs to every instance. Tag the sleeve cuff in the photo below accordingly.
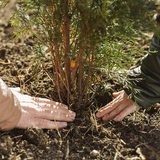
(10, 111)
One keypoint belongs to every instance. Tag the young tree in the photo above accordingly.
(71, 30)
(79, 35)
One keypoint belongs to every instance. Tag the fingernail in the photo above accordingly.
(65, 106)
(117, 119)
(63, 124)
(105, 118)
(73, 116)
(98, 114)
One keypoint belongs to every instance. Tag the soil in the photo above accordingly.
(137, 137)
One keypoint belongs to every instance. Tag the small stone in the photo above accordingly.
(29, 154)
(94, 153)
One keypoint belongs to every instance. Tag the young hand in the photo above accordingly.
(118, 108)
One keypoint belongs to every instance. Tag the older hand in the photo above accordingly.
(42, 112)
(117, 109)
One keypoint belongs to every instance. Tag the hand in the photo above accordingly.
(42, 112)
(117, 109)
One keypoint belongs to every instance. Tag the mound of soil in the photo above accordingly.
(137, 137)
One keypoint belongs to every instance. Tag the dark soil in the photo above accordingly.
(137, 137)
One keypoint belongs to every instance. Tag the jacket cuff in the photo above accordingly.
(143, 89)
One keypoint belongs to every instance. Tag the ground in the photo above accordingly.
(137, 137)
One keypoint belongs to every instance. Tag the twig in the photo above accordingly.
(67, 150)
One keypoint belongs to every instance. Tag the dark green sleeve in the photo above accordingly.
(145, 80)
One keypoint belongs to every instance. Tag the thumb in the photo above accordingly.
(116, 94)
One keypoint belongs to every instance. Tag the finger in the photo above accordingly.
(108, 108)
(41, 124)
(115, 94)
(125, 112)
(48, 111)
(57, 114)
(114, 112)
(47, 124)
(47, 101)
(52, 112)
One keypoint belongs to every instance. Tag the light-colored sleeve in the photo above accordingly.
(10, 111)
